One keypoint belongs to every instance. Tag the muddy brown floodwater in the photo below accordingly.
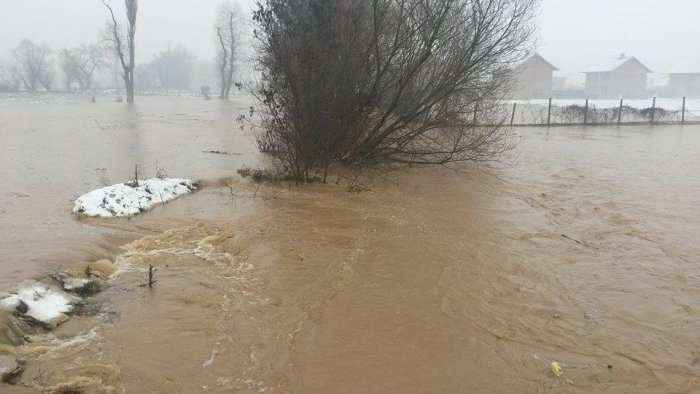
(581, 249)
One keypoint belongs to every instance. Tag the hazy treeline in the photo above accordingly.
(34, 67)
(96, 65)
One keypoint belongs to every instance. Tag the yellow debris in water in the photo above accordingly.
(556, 368)
(7, 349)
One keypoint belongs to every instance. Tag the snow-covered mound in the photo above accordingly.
(126, 199)
(44, 303)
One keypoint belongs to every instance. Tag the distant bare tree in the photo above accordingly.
(174, 68)
(33, 65)
(79, 65)
(227, 37)
(359, 82)
(147, 77)
(125, 52)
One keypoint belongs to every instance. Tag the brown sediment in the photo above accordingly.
(429, 280)
(441, 282)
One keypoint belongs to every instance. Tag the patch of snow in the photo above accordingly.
(127, 200)
(45, 303)
(10, 303)
(71, 284)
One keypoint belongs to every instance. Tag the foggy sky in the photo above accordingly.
(575, 35)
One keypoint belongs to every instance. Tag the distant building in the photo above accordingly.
(626, 78)
(533, 78)
(683, 85)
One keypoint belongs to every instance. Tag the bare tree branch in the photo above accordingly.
(126, 57)
(359, 82)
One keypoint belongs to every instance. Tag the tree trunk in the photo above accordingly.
(130, 88)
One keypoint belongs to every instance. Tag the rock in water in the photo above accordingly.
(80, 286)
(12, 330)
(10, 369)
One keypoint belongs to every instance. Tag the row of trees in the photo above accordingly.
(172, 69)
(32, 66)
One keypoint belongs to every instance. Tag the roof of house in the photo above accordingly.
(618, 64)
(538, 59)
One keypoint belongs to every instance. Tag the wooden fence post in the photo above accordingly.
(549, 112)
(585, 114)
(512, 116)
(619, 114)
(683, 112)
(653, 110)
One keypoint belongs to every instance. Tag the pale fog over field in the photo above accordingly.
(360, 200)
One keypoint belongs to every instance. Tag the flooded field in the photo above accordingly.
(56, 148)
(580, 249)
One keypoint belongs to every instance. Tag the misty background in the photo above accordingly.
(575, 36)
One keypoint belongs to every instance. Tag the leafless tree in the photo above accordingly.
(227, 37)
(147, 77)
(124, 44)
(79, 65)
(9, 81)
(366, 81)
(174, 68)
(33, 65)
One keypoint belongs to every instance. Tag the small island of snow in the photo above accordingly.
(128, 199)
(43, 303)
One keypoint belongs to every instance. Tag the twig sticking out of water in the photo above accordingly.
(578, 242)
(572, 239)
(135, 182)
(151, 276)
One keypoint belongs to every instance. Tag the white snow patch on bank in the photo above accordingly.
(10, 303)
(44, 303)
(126, 200)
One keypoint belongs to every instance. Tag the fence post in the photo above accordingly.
(683, 112)
(619, 113)
(653, 110)
(549, 112)
(585, 114)
(512, 116)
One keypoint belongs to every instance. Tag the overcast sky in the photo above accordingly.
(575, 35)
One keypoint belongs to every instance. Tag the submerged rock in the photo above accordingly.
(10, 369)
(101, 269)
(13, 331)
(84, 287)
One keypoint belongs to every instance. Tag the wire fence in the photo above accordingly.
(553, 112)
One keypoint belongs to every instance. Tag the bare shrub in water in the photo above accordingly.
(360, 82)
